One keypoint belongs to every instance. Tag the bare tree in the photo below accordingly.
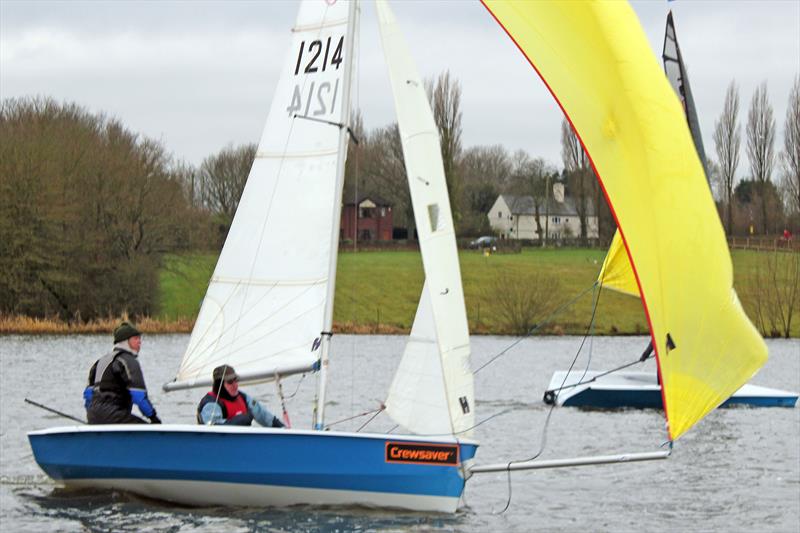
(485, 172)
(224, 176)
(445, 98)
(761, 145)
(727, 138)
(529, 178)
(579, 173)
(384, 173)
(791, 146)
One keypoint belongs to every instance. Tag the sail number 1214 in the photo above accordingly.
(308, 59)
(316, 98)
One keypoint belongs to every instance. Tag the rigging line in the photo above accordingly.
(217, 348)
(244, 363)
(299, 382)
(365, 413)
(339, 125)
(221, 353)
(203, 336)
(617, 369)
(382, 408)
(583, 341)
(213, 346)
(232, 349)
(535, 456)
(535, 328)
(591, 333)
(219, 391)
(227, 350)
(356, 85)
(495, 415)
(546, 425)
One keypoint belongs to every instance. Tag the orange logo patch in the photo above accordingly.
(422, 453)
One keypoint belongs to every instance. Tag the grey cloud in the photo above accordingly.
(200, 75)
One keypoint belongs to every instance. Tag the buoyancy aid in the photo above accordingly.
(230, 408)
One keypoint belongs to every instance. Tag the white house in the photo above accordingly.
(514, 217)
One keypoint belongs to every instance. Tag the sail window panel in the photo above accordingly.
(433, 216)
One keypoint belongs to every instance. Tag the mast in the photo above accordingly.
(325, 335)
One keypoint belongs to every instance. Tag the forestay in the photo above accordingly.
(264, 309)
(612, 89)
(433, 389)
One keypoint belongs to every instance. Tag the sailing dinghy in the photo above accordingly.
(640, 390)
(596, 61)
(268, 313)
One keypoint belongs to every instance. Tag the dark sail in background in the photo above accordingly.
(676, 73)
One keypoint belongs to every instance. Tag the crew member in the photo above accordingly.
(225, 404)
(116, 383)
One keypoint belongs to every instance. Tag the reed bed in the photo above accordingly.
(24, 325)
(368, 329)
(17, 324)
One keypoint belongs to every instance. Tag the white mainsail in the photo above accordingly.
(432, 391)
(265, 307)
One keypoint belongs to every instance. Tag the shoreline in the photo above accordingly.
(22, 325)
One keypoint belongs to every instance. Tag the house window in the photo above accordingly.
(511, 217)
(365, 212)
(499, 214)
(383, 211)
(556, 220)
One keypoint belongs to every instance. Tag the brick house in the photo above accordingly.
(370, 218)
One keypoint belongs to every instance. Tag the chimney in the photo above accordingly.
(558, 192)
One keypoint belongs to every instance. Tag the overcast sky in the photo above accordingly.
(200, 75)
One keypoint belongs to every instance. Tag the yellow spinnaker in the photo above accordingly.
(595, 59)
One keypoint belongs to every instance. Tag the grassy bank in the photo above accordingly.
(377, 292)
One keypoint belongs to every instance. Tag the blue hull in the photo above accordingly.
(644, 399)
(317, 466)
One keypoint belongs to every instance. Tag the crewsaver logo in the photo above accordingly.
(426, 454)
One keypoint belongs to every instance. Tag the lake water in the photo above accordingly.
(739, 469)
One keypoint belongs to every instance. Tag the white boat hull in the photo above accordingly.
(641, 390)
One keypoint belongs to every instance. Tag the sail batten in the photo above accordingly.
(631, 125)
